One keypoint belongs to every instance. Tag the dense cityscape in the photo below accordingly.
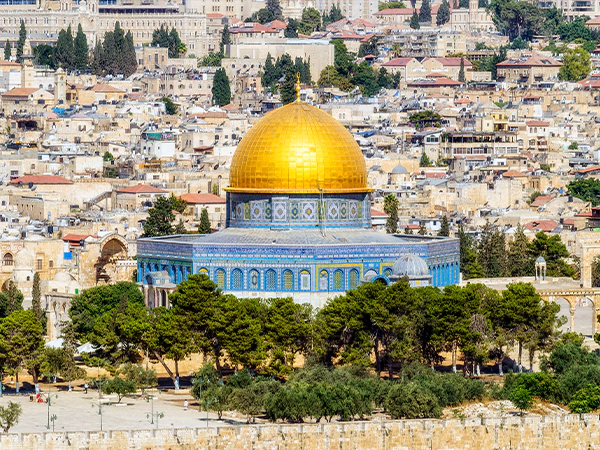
(295, 224)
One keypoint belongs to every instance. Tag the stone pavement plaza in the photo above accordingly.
(77, 411)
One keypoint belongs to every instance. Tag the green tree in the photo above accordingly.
(414, 21)
(119, 386)
(170, 108)
(425, 161)
(576, 64)
(64, 53)
(521, 263)
(108, 156)
(170, 339)
(21, 41)
(291, 31)
(369, 47)
(468, 255)
(521, 398)
(141, 377)
(425, 11)
(364, 76)
(11, 300)
(93, 303)
(461, 71)
(21, 342)
(205, 226)
(310, 22)
(390, 5)
(443, 15)
(274, 8)
(343, 60)
(81, 49)
(390, 207)
(160, 219)
(424, 119)
(225, 40)
(44, 55)
(7, 50)
(444, 227)
(288, 87)
(586, 400)
(552, 249)
(36, 298)
(221, 91)
(586, 189)
(9, 415)
(411, 401)
(491, 254)
(174, 43)
(96, 64)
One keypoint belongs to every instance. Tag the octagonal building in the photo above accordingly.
(298, 221)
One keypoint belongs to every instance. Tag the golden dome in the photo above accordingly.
(298, 149)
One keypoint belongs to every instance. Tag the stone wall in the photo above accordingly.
(548, 433)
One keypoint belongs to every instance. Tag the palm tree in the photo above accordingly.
(396, 50)
(182, 49)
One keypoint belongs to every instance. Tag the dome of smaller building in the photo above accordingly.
(540, 259)
(24, 259)
(399, 169)
(410, 266)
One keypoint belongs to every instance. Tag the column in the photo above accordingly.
(572, 319)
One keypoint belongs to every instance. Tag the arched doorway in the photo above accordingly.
(112, 250)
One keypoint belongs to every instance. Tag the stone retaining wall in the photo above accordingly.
(549, 433)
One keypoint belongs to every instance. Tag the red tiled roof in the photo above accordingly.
(451, 61)
(141, 189)
(541, 200)
(202, 199)
(514, 174)
(541, 225)
(537, 123)
(533, 60)
(75, 237)
(41, 179)
(19, 92)
(587, 170)
(375, 213)
(104, 87)
(397, 62)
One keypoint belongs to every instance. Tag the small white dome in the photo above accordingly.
(24, 259)
(410, 266)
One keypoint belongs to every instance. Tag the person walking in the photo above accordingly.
(85, 387)
(185, 405)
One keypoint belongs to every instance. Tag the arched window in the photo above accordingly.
(305, 280)
(254, 279)
(387, 272)
(203, 271)
(237, 280)
(288, 280)
(7, 260)
(270, 280)
(338, 280)
(323, 280)
(353, 279)
(221, 279)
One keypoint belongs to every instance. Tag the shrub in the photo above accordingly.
(411, 401)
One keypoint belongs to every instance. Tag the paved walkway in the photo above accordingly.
(77, 411)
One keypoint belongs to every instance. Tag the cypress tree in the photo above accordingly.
(130, 63)
(119, 45)
(36, 298)
(425, 12)
(445, 227)
(7, 51)
(390, 206)
(443, 15)
(64, 53)
(422, 230)
(270, 73)
(81, 49)
(461, 71)
(287, 90)
(109, 62)
(414, 21)
(21, 42)
(274, 8)
(221, 91)
(96, 64)
(204, 227)
(225, 39)
(174, 42)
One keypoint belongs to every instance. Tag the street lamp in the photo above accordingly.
(99, 404)
(157, 415)
(49, 403)
(150, 399)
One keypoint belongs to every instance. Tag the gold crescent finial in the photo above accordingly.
(297, 86)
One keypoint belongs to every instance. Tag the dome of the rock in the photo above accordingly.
(298, 149)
